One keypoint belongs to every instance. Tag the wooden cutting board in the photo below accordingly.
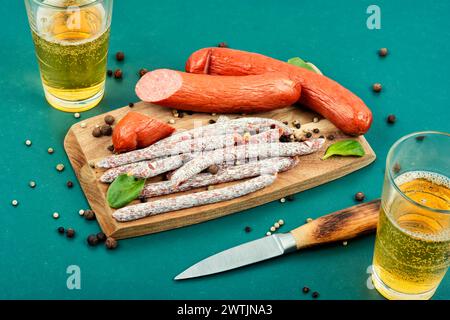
(83, 149)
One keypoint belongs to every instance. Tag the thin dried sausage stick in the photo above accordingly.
(225, 174)
(143, 210)
(239, 126)
(244, 152)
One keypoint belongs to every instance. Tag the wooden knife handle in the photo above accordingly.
(340, 225)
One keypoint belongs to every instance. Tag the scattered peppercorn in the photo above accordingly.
(248, 229)
(142, 72)
(281, 222)
(276, 225)
(83, 125)
(285, 122)
(106, 130)
(180, 114)
(308, 135)
(420, 138)
(96, 132)
(131, 104)
(109, 119)
(89, 215)
(101, 237)
(120, 56)
(32, 184)
(273, 229)
(316, 130)
(28, 143)
(81, 212)
(345, 243)
(297, 125)
(222, 45)
(315, 294)
(213, 169)
(290, 197)
(118, 74)
(55, 215)
(359, 196)
(61, 230)
(92, 240)
(190, 113)
(60, 167)
(70, 233)
(321, 137)
(315, 119)
(377, 87)
(50, 150)
(396, 168)
(284, 138)
(76, 115)
(305, 289)
(308, 220)
(268, 233)
(110, 148)
(171, 121)
(330, 137)
(69, 184)
(383, 52)
(109, 73)
(211, 121)
(111, 243)
(283, 200)
(391, 119)
(15, 203)
(142, 199)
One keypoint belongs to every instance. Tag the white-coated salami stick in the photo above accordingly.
(244, 152)
(239, 126)
(143, 210)
(146, 169)
(226, 174)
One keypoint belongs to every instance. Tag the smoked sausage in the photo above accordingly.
(206, 93)
(319, 93)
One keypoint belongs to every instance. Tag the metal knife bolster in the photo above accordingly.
(286, 241)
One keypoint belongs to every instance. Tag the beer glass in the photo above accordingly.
(412, 245)
(71, 42)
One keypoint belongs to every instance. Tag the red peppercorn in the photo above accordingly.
(377, 87)
(92, 240)
(61, 230)
(359, 196)
(305, 289)
(383, 52)
(315, 294)
(111, 243)
(222, 45)
(69, 184)
(109, 73)
(120, 56)
(118, 74)
(391, 119)
(142, 72)
(70, 233)
(248, 229)
(101, 237)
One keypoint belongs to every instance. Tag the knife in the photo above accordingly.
(337, 226)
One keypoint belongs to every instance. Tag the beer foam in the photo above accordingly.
(433, 177)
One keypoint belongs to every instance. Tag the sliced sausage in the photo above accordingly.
(321, 94)
(204, 93)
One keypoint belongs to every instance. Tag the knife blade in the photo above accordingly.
(337, 226)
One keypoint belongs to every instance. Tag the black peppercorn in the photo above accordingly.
(70, 233)
(285, 122)
(391, 119)
(180, 114)
(247, 229)
(61, 230)
(89, 215)
(298, 125)
(101, 237)
(330, 137)
(305, 289)
(109, 73)
(211, 121)
(110, 148)
(97, 132)
(290, 197)
(316, 130)
(109, 119)
(131, 104)
(106, 130)
(315, 294)
(396, 168)
(111, 243)
(420, 138)
(120, 56)
(69, 184)
(308, 134)
(142, 199)
(359, 196)
(285, 138)
(118, 74)
(142, 72)
(92, 240)
(222, 45)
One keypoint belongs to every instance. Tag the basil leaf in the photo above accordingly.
(123, 190)
(303, 64)
(345, 148)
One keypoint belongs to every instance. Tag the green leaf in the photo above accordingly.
(303, 64)
(123, 190)
(344, 148)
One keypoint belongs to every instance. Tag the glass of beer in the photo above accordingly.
(412, 248)
(71, 42)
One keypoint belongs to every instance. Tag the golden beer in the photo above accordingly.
(412, 246)
(71, 45)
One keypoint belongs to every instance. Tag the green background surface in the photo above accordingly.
(156, 34)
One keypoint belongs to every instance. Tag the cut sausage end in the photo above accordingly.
(158, 85)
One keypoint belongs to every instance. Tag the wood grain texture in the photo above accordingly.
(83, 149)
(338, 226)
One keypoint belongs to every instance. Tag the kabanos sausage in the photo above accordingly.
(319, 93)
(205, 93)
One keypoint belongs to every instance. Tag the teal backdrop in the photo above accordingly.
(162, 34)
